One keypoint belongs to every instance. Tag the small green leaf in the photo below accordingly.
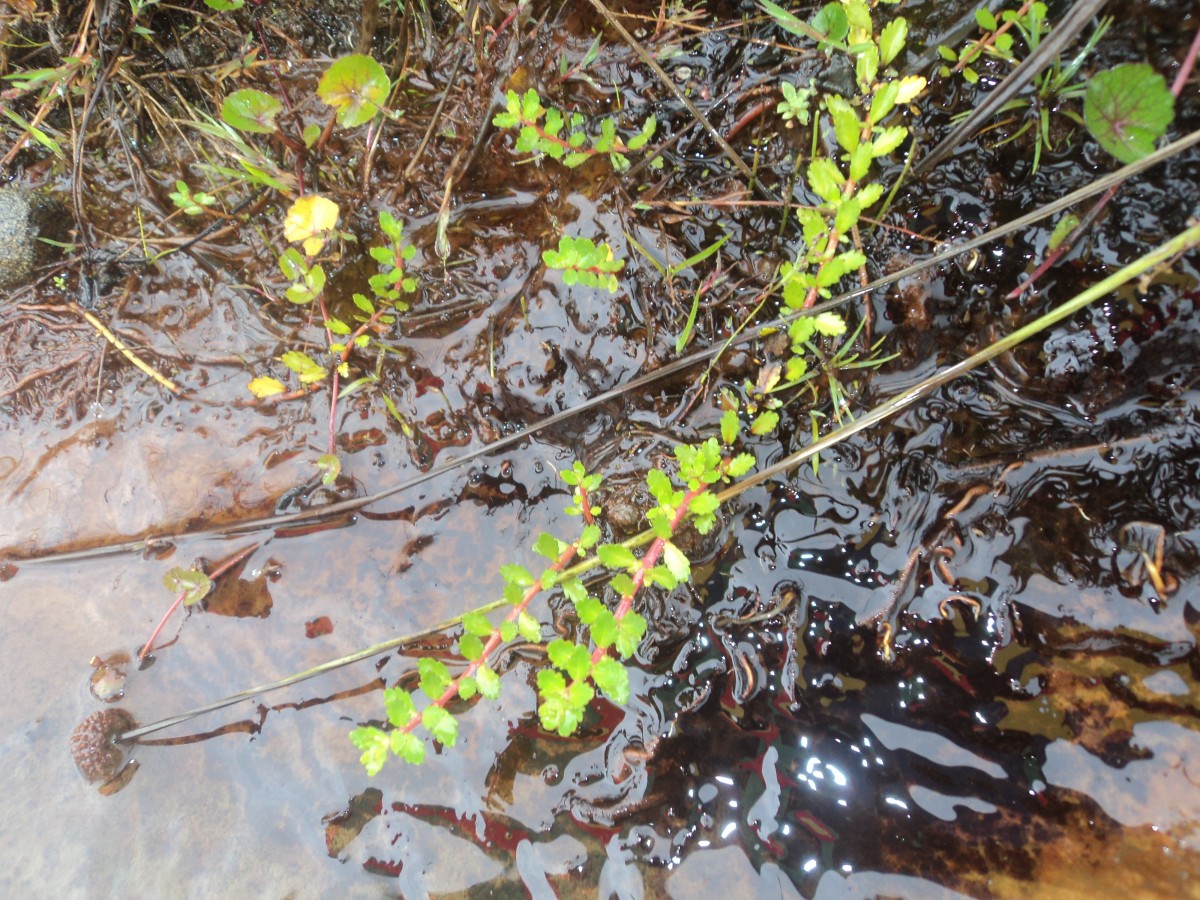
(441, 725)
(765, 423)
(740, 465)
(846, 126)
(892, 38)
(251, 110)
(629, 634)
(374, 744)
(730, 426)
(549, 546)
(489, 683)
(1062, 230)
(408, 747)
(330, 466)
(1128, 108)
(677, 562)
(825, 179)
(516, 574)
(530, 628)
(435, 678)
(616, 556)
(477, 623)
(604, 628)
(193, 584)
(829, 324)
(399, 705)
(613, 679)
(356, 87)
(470, 647)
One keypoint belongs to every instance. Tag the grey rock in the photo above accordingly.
(26, 216)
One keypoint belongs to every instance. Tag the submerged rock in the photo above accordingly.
(25, 217)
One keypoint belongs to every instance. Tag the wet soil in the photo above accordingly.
(958, 658)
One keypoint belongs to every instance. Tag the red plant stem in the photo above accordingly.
(215, 573)
(749, 116)
(451, 691)
(1185, 70)
(564, 560)
(617, 147)
(648, 562)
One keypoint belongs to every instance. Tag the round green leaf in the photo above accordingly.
(1127, 109)
(357, 87)
(251, 110)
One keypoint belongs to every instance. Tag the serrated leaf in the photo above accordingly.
(470, 647)
(441, 725)
(408, 747)
(508, 631)
(825, 179)
(530, 628)
(740, 465)
(356, 87)
(374, 745)
(613, 679)
(1128, 108)
(549, 546)
(616, 556)
(399, 705)
(910, 88)
(467, 687)
(516, 574)
(435, 678)
(622, 584)
(765, 422)
(589, 609)
(846, 126)
(730, 426)
(677, 562)
(489, 683)
(829, 324)
(603, 628)
(630, 631)
(887, 140)
(477, 623)
(892, 38)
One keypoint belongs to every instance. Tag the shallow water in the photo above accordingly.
(936, 666)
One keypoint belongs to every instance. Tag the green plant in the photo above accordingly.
(311, 221)
(578, 668)
(542, 133)
(794, 107)
(996, 41)
(584, 262)
(1055, 90)
(863, 138)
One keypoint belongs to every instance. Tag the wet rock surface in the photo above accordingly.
(26, 217)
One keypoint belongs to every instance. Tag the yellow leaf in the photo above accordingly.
(309, 222)
(266, 387)
(910, 87)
